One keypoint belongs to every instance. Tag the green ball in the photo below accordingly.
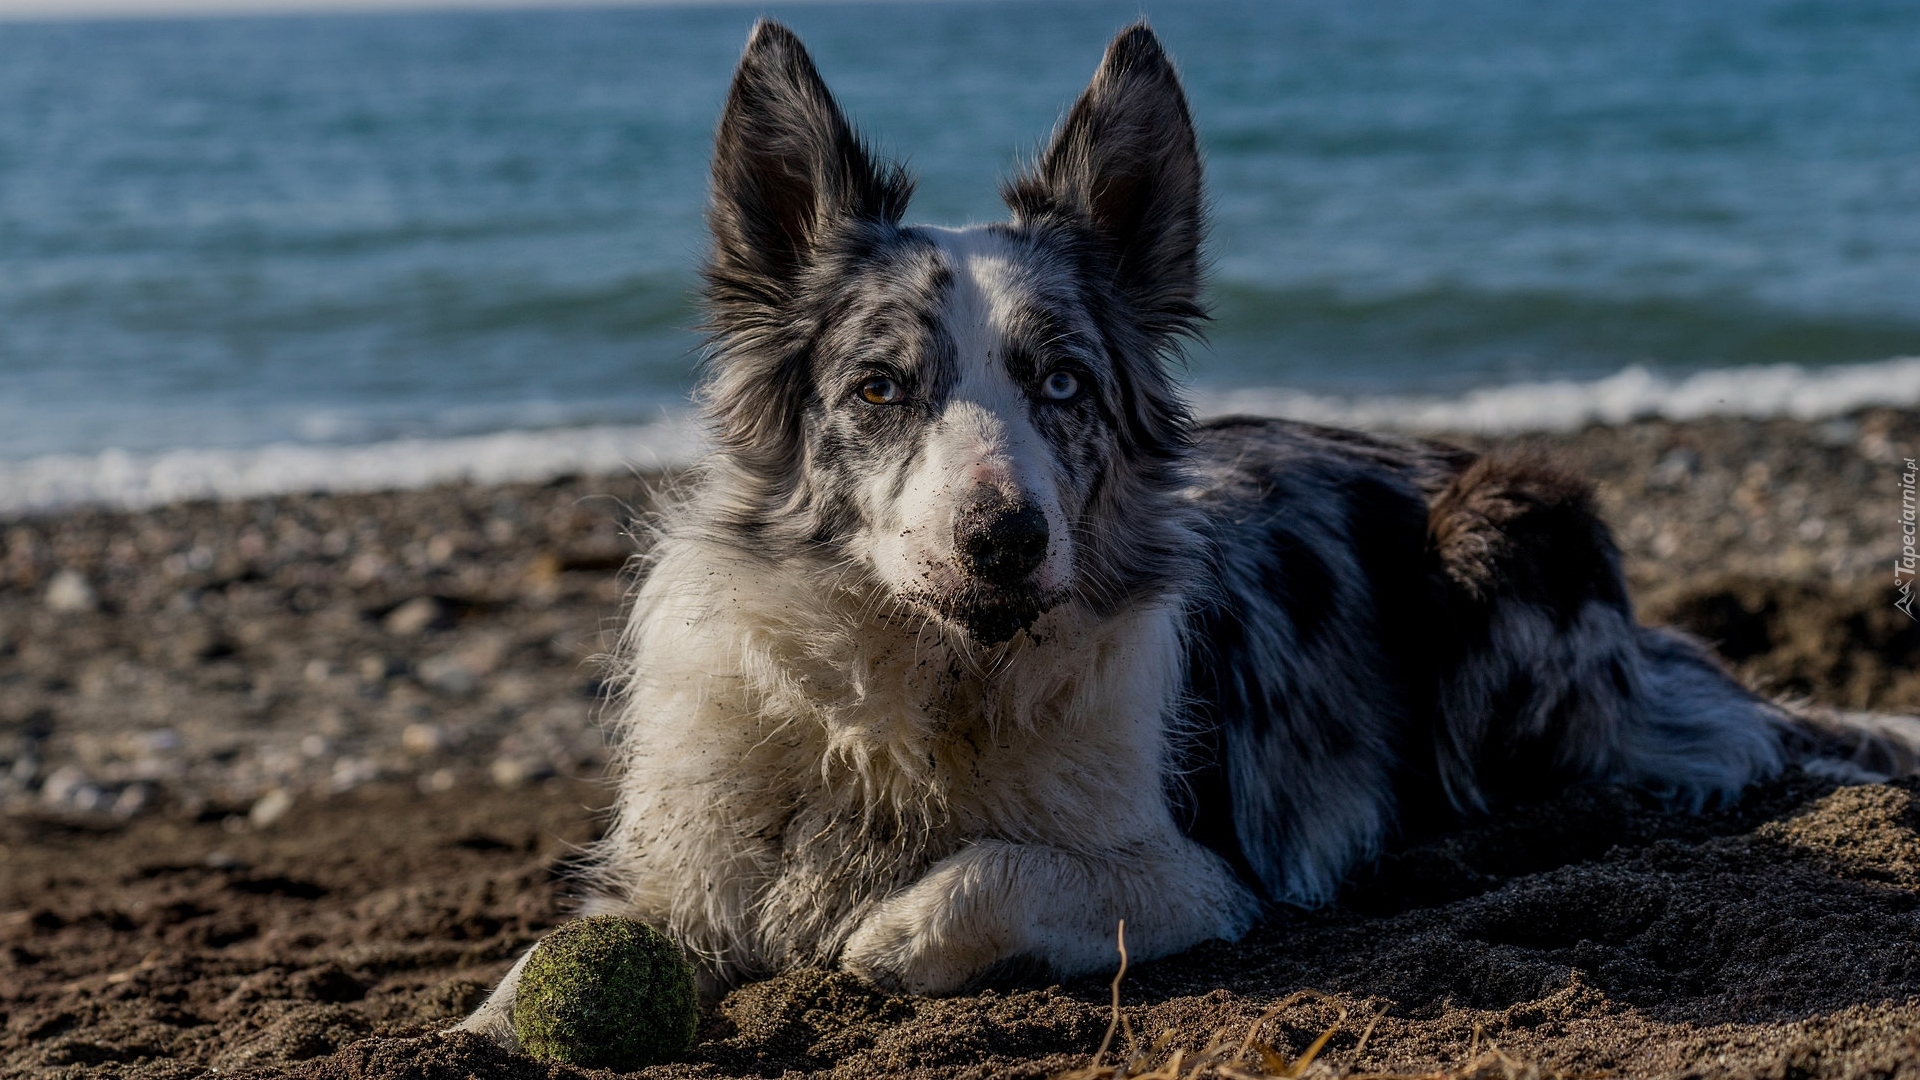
(606, 993)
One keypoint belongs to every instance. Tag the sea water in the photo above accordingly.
(254, 254)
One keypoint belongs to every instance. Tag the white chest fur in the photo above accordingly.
(794, 754)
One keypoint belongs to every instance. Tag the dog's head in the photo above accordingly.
(978, 421)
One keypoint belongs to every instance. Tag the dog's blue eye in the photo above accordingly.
(1060, 385)
(881, 390)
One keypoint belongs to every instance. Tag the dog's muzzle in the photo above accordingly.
(999, 543)
(1000, 540)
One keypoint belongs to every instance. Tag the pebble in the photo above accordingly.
(1837, 432)
(512, 772)
(1674, 469)
(70, 592)
(69, 785)
(448, 674)
(131, 801)
(159, 741)
(423, 739)
(415, 616)
(350, 773)
(268, 809)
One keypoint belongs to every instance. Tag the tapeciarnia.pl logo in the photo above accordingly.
(1903, 567)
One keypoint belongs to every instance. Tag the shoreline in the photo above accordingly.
(672, 438)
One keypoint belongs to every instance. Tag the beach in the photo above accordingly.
(288, 781)
(343, 357)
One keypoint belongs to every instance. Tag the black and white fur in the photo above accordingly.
(967, 641)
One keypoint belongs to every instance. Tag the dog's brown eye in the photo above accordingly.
(881, 390)
(1060, 385)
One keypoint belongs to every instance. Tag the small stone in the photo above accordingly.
(331, 722)
(159, 741)
(448, 674)
(437, 781)
(270, 808)
(1876, 446)
(69, 592)
(543, 571)
(423, 739)
(413, 617)
(367, 567)
(201, 643)
(350, 773)
(511, 772)
(1678, 466)
(62, 785)
(131, 801)
(1839, 431)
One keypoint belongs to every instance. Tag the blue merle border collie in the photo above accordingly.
(967, 641)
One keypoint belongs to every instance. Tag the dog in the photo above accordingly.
(967, 641)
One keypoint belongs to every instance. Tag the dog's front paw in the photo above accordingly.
(903, 946)
(940, 936)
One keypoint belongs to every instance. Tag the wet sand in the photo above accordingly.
(286, 782)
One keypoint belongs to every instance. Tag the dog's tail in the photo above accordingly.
(1697, 733)
(1551, 677)
(1848, 745)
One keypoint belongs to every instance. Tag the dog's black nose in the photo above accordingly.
(1001, 540)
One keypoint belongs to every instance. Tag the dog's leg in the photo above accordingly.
(998, 904)
(494, 1017)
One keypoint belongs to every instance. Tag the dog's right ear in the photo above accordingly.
(787, 168)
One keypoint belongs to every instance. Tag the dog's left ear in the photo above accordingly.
(1126, 163)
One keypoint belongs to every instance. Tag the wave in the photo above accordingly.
(1634, 393)
(117, 478)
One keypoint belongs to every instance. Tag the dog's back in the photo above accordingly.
(1395, 627)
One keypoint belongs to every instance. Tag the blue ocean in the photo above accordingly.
(326, 237)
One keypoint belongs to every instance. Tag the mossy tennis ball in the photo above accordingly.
(606, 993)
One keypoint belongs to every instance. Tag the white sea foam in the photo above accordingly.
(117, 478)
(1635, 393)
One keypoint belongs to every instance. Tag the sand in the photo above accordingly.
(287, 782)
